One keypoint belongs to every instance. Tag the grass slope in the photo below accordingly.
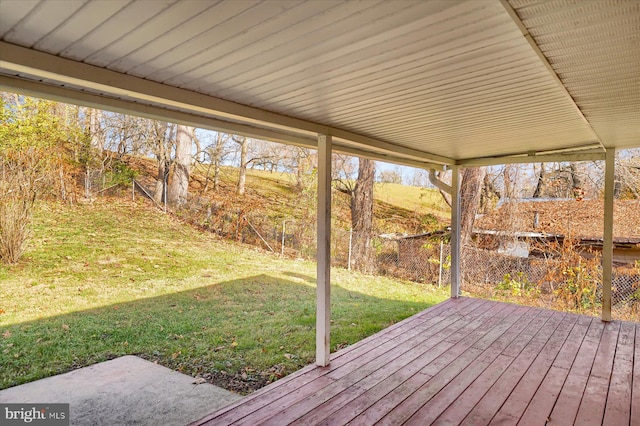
(115, 277)
(397, 208)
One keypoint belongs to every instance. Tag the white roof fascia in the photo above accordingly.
(31, 88)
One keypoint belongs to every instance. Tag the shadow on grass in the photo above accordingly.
(239, 334)
(302, 277)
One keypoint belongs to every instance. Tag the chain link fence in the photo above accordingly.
(569, 283)
(568, 280)
(98, 182)
(94, 182)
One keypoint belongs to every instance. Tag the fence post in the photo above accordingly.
(133, 189)
(350, 241)
(440, 266)
(283, 231)
(164, 188)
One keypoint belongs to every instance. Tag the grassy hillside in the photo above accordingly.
(116, 277)
(397, 208)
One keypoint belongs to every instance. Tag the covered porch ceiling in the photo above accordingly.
(423, 83)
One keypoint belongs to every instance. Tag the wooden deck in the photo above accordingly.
(465, 361)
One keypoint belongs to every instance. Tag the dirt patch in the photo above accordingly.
(236, 383)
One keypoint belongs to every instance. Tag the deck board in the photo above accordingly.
(464, 361)
(635, 391)
(522, 395)
(570, 398)
(493, 400)
(617, 410)
(398, 368)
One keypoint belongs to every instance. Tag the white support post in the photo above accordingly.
(607, 246)
(323, 301)
(455, 232)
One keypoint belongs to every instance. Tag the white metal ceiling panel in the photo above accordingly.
(42, 19)
(448, 78)
(12, 12)
(594, 48)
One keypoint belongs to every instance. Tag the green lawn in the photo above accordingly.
(414, 199)
(114, 277)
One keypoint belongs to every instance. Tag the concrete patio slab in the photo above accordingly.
(125, 391)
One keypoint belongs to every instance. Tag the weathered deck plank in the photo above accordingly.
(465, 361)
(635, 391)
(566, 407)
(523, 393)
(617, 410)
(491, 403)
(591, 409)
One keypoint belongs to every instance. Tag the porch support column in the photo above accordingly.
(455, 232)
(607, 245)
(323, 301)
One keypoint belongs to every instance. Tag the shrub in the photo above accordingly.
(30, 136)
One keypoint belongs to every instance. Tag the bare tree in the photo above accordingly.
(265, 155)
(301, 161)
(390, 176)
(343, 171)
(628, 175)
(179, 185)
(564, 180)
(420, 178)
(255, 152)
(214, 153)
(490, 194)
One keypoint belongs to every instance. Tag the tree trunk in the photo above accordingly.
(242, 175)
(95, 130)
(540, 184)
(469, 201)
(489, 194)
(158, 194)
(216, 174)
(301, 155)
(508, 184)
(576, 184)
(362, 217)
(179, 184)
